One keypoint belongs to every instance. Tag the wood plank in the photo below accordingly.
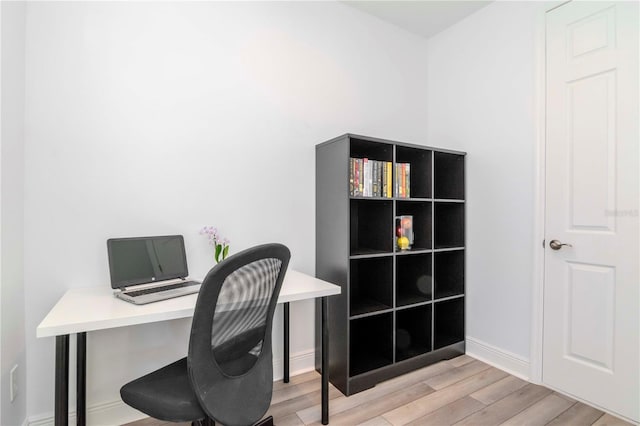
(578, 414)
(455, 375)
(148, 421)
(507, 407)
(425, 405)
(609, 420)
(296, 380)
(376, 421)
(419, 375)
(461, 360)
(498, 390)
(376, 407)
(294, 390)
(300, 402)
(450, 413)
(540, 413)
(342, 403)
(290, 420)
(568, 398)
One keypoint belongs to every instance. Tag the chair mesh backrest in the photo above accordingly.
(230, 360)
(240, 318)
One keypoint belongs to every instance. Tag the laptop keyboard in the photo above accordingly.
(159, 289)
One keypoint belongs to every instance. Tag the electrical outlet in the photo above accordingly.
(13, 382)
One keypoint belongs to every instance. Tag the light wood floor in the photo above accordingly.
(461, 391)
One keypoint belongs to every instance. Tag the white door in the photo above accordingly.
(591, 297)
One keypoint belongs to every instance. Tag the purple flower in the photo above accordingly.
(220, 245)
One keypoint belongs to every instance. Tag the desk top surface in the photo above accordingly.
(96, 308)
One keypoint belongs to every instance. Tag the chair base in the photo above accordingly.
(265, 422)
(268, 421)
(203, 422)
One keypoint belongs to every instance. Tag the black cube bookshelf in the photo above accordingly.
(399, 309)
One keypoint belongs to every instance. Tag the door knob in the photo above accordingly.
(557, 245)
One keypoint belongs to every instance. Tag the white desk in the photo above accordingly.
(88, 309)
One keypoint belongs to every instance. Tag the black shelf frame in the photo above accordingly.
(389, 318)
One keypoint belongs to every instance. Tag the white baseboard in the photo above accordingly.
(299, 363)
(103, 414)
(117, 412)
(499, 358)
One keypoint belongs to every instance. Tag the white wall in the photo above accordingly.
(482, 87)
(12, 318)
(147, 118)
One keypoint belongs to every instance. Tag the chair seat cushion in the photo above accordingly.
(164, 394)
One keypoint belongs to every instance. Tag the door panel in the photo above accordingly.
(589, 315)
(591, 141)
(591, 297)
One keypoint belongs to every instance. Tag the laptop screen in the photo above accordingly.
(146, 259)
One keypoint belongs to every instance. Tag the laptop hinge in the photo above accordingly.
(151, 285)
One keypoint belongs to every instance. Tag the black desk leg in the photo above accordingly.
(62, 381)
(81, 379)
(325, 362)
(286, 343)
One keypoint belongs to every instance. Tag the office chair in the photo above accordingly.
(227, 376)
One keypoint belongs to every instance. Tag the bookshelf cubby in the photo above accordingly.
(449, 176)
(413, 279)
(413, 332)
(449, 273)
(449, 322)
(371, 343)
(420, 160)
(399, 310)
(371, 226)
(421, 212)
(449, 225)
(371, 285)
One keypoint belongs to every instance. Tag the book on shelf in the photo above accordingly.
(367, 178)
(351, 176)
(402, 182)
(389, 179)
(361, 176)
(353, 180)
(370, 178)
(396, 189)
(403, 175)
(374, 179)
(384, 179)
(407, 185)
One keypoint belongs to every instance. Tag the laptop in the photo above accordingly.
(149, 269)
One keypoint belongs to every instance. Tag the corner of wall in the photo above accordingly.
(12, 306)
(1, 123)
